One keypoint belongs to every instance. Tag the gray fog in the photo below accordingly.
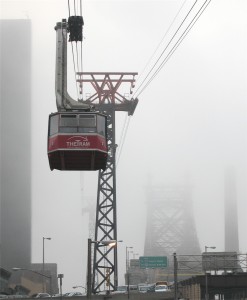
(189, 126)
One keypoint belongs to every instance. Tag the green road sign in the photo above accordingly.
(153, 262)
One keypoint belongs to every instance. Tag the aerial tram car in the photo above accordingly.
(77, 134)
(77, 141)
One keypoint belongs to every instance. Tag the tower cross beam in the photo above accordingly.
(106, 85)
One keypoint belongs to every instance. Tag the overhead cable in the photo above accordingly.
(168, 56)
(77, 51)
(181, 24)
(184, 34)
(127, 121)
(123, 136)
(167, 31)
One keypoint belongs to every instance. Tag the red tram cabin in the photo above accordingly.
(77, 141)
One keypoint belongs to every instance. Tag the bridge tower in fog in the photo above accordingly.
(170, 226)
(231, 215)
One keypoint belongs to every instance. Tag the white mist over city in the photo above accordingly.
(188, 129)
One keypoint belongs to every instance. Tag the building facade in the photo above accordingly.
(15, 138)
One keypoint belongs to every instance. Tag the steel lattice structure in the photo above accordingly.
(170, 225)
(107, 98)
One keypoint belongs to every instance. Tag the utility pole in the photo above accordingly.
(175, 276)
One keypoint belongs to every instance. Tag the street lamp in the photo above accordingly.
(36, 272)
(127, 257)
(110, 243)
(60, 276)
(43, 267)
(206, 275)
(127, 267)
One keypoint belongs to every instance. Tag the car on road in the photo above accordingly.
(121, 289)
(144, 288)
(161, 288)
(72, 294)
(41, 295)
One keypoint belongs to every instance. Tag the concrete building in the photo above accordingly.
(15, 137)
(15, 159)
(4, 279)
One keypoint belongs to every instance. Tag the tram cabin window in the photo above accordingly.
(87, 123)
(68, 123)
(53, 125)
(77, 123)
(101, 126)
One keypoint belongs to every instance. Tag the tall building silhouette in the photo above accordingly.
(15, 137)
(231, 214)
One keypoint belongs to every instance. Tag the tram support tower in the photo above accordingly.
(107, 99)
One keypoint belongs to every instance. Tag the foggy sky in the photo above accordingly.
(190, 123)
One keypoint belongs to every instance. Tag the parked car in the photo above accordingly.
(41, 295)
(75, 294)
(144, 288)
(161, 288)
(121, 289)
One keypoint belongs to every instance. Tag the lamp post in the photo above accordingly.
(206, 275)
(127, 268)
(43, 265)
(43, 275)
(110, 243)
(127, 258)
(44, 238)
(60, 277)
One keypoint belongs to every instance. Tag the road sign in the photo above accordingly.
(153, 262)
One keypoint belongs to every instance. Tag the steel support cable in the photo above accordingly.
(82, 37)
(164, 36)
(74, 8)
(80, 84)
(124, 130)
(69, 8)
(76, 60)
(81, 46)
(121, 136)
(79, 53)
(123, 139)
(167, 46)
(186, 31)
